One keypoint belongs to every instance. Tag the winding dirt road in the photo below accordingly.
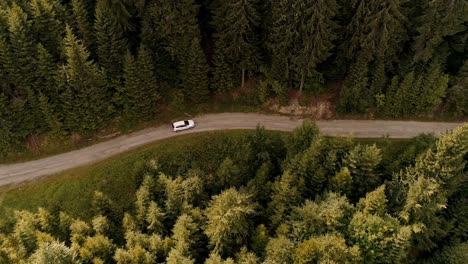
(16, 173)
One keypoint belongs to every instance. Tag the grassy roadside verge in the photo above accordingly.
(118, 177)
(72, 190)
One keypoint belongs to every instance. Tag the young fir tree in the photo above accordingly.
(111, 44)
(85, 86)
(237, 33)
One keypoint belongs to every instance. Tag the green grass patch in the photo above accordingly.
(71, 191)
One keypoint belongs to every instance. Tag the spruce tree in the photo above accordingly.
(228, 220)
(441, 21)
(458, 92)
(47, 27)
(83, 25)
(374, 38)
(237, 32)
(281, 37)
(19, 61)
(85, 86)
(433, 88)
(111, 44)
(195, 74)
(222, 79)
(47, 76)
(141, 92)
(436, 177)
(314, 21)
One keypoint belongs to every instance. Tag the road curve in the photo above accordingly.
(16, 173)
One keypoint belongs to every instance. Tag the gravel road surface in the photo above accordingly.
(16, 173)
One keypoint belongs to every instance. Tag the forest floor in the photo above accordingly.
(16, 173)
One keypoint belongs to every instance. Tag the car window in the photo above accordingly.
(186, 122)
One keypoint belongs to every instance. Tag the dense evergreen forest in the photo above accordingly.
(75, 66)
(267, 198)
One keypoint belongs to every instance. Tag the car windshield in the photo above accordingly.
(186, 122)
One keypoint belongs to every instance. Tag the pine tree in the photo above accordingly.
(380, 239)
(85, 86)
(236, 32)
(374, 203)
(354, 96)
(6, 129)
(301, 139)
(308, 167)
(111, 44)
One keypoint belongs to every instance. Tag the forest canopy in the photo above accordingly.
(267, 198)
(74, 66)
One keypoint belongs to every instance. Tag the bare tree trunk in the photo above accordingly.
(302, 83)
(243, 78)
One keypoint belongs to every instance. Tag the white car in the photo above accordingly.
(183, 125)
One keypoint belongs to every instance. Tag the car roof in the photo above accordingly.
(179, 123)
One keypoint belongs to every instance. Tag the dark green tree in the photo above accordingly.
(141, 91)
(83, 24)
(281, 38)
(85, 106)
(195, 74)
(374, 38)
(313, 20)
(441, 22)
(236, 31)
(111, 43)
(47, 27)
